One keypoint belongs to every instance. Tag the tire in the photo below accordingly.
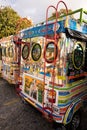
(60, 128)
(57, 126)
(75, 124)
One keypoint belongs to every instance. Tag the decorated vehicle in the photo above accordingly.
(54, 68)
(9, 60)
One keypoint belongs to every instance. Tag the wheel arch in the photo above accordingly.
(72, 109)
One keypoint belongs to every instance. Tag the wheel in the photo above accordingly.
(75, 124)
(57, 126)
(60, 128)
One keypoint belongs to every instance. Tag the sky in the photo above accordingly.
(36, 9)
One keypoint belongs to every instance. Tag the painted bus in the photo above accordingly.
(53, 67)
(9, 67)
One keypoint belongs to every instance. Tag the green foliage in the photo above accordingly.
(8, 18)
(23, 23)
(61, 12)
(9, 22)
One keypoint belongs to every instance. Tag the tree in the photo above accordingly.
(23, 23)
(9, 22)
(61, 12)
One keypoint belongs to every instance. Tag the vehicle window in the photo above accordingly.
(78, 56)
(36, 52)
(25, 52)
(3, 51)
(50, 53)
(10, 51)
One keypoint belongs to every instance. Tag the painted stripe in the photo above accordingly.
(48, 112)
(69, 96)
(71, 100)
(31, 102)
(69, 86)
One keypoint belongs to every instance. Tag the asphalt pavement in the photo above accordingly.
(14, 115)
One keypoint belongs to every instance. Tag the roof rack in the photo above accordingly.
(81, 11)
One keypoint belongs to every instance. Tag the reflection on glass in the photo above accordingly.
(3, 51)
(36, 52)
(25, 52)
(78, 56)
(10, 51)
(51, 52)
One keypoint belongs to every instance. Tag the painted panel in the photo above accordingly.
(33, 87)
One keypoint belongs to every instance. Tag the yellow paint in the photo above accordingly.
(66, 115)
(33, 104)
(67, 21)
(61, 77)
